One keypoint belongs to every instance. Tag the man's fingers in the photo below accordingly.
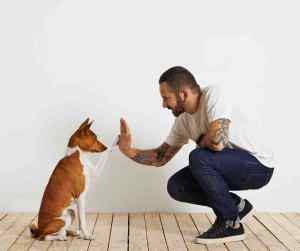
(124, 127)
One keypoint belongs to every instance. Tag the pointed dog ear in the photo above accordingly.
(84, 124)
(89, 124)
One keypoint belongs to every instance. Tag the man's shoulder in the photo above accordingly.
(214, 89)
(217, 92)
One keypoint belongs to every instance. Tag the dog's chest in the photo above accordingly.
(82, 170)
(85, 166)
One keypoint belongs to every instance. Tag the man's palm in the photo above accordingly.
(125, 136)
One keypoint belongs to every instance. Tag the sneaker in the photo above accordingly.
(220, 233)
(247, 210)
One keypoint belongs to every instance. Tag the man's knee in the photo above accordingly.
(172, 188)
(199, 157)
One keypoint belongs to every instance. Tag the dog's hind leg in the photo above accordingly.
(55, 230)
(56, 237)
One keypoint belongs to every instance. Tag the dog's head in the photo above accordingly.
(86, 139)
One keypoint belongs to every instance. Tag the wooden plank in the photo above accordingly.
(252, 242)
(80, 244)
(119, 232)
(203, 224)
(7, 222)
(189, 232)
(155, 235)
(2, 215)
(172, 233)
(294, 218)
(137, 232)
(25, 240)
(277, 231)
(15, 230)
(234, 246)
(264, 235)
(287, 225)
(102, 232)
(40, 245)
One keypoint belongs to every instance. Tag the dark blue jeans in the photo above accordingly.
(211, 176)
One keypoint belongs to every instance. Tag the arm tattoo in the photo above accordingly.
(161, 152)
(156, 157)
(219, 134)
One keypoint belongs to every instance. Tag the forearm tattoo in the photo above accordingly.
(161, 152)
(156, 157)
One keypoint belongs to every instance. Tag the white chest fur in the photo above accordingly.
(85, 163)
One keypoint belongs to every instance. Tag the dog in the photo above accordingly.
(65, 192)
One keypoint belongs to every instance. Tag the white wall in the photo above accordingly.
(61, 61)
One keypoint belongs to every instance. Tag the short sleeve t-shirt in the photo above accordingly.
(214, 104)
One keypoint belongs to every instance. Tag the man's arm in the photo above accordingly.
(216, 138)
(154, 157)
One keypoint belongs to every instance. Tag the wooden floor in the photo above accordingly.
(156, 231)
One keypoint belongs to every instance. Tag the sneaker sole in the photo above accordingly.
(248, 215)
(221, 240)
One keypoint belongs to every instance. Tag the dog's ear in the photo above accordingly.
(84, 124)
(89, 124)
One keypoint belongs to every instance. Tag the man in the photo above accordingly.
(228, 156)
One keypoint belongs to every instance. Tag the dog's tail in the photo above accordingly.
(35, 233)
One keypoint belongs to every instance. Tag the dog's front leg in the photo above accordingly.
(83, 232)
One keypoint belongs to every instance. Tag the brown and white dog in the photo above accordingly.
(66, 189)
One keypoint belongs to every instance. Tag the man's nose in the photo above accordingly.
(164, 104)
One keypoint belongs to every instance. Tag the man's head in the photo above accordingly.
(177, 87)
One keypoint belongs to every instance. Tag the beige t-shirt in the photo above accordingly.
(215, 104)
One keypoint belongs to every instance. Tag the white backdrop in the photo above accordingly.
(61, 61)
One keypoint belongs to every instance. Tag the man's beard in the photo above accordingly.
(178, 108)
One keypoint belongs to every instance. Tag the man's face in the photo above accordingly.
(171, 100)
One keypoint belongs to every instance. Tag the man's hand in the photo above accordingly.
(153, 157)
(124, 138)
(216, 138)
(203, 141)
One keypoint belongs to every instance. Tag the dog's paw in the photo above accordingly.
(73, 233)
(89, 237)
(62, 238)
(85, 236)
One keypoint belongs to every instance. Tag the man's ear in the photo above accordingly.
(183, 94)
